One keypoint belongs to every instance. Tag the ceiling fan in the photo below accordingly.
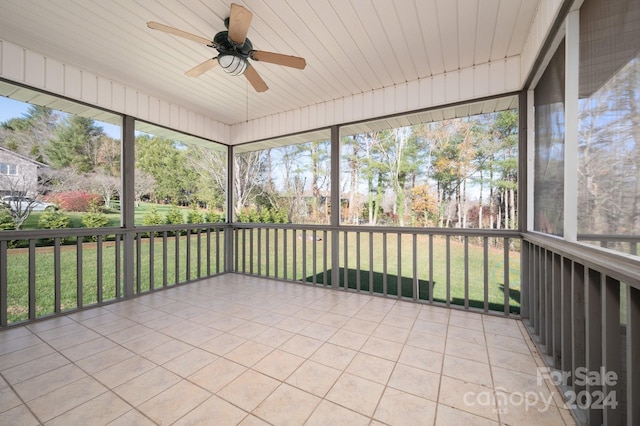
(234, 49)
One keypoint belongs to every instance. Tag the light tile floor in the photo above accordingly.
(243, 350)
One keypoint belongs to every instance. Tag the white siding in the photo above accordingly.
(498, 77)
(41, 72)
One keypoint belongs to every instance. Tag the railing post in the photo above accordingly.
(611, 360)
(525, 268)
(228, 232)
(127, 203)
(3, 284)
(335, 206)
(593, 302)
(633, 354)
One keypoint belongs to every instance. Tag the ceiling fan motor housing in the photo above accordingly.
(224, 45)
(232, 58)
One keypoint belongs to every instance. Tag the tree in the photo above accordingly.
(425, 204)
(76, 143)
(210, 167)
(247, 178)
(30, 134)
(317, 164)
(166, 161)
(104, 185)
(26, 190)
(144, 184)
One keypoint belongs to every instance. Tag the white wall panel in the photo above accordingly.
(426, 92)
(154, 110)
(329, 113)
(130, 101)
(199, 125)
(452, 86)
(338, 111)
(391, 95)
(174, 116)
(165, 113)
(513, 75)
(481, 80)
(401, 97)
(297, 122)
(34, 69)
(54, 75)
(12, 61)
(347, 109)
(320, 108)
(183, 119)
(89, 84)
(304, 118)
(413, 94)
(117, 97)
(45, 73)
(466, 83)
(378, 102)
(542, 22)
(367, 105)
(143, 107)
(72, 82)
(497, 76)
(104, 93)
(313, 116)
(437, 90)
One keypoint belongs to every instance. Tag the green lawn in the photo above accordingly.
(114, 216)
(18, 272)
(250, 259)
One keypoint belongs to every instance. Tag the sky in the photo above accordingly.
(10, 108)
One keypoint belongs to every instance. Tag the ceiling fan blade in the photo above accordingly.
(174, 31)
(254, 78)
(239, 21)
(277, 58)
(200, 69)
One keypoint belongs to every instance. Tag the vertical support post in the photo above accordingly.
(530, 161)
(335, 207)
(228, 232)
(522, 162)
(572, 68)
(127, 203)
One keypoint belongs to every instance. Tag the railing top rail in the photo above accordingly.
(609, 237)
(623, 267)
(500, 233)
(88, 232)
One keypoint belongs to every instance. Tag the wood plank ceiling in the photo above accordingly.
(351, 46)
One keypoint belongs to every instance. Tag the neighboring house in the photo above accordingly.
(19, 174)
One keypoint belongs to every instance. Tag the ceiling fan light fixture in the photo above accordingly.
(232, 64)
